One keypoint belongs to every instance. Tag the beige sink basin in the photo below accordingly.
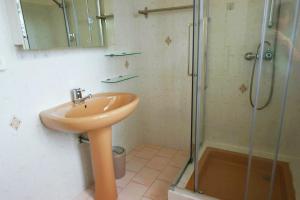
(100, 111)
(96, 117)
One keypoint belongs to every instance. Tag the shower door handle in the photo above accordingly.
(205, 53)
(190, 72)
(271, 13)
(205, 41)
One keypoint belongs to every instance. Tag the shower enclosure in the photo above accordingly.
(245, 110)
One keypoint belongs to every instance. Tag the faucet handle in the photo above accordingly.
(78, 90)
(76, 94)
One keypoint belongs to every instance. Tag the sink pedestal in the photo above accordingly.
(102, 161)
(96, 116)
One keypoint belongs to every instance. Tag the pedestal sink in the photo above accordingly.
(96, 117)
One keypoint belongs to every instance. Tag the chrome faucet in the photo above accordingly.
(76, 96)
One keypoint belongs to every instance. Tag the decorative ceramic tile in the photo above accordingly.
(168, 40)
(243, 88)
(230, 5)
(15, 123)
(126, 64)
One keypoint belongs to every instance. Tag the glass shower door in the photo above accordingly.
(238, 99)
(268, 125)
(222, 114)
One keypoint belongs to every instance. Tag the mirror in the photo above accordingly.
(52, 24)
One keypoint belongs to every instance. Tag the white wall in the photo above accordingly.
(37, 163)
(166, 100)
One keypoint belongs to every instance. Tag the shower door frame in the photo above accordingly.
(198, 70)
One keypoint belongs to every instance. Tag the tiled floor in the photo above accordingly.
(150, 170)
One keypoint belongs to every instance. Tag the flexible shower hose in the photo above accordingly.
(272, 81)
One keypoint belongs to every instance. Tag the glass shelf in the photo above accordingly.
(119, 79)
(123, 54)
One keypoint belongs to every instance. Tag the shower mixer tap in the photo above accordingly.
(76, 96)
(268, 55)
(250, 56)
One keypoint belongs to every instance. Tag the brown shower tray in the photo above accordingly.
(223, 176)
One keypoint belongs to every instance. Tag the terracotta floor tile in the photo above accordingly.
(140, 151)
(146, 153)
(139, 147)
(125, 180)
(145, 198)
(153, 146)
(178, 161)
(146, 176)
(119, 190)
(150, 169)
(167, 152)
(184, 153)
(133, 191)
(169, 174)
(132, 152)
(158, 190)
(136, 164)
(158, 163)
(130, 157)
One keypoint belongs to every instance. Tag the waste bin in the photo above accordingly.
(119, 155)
